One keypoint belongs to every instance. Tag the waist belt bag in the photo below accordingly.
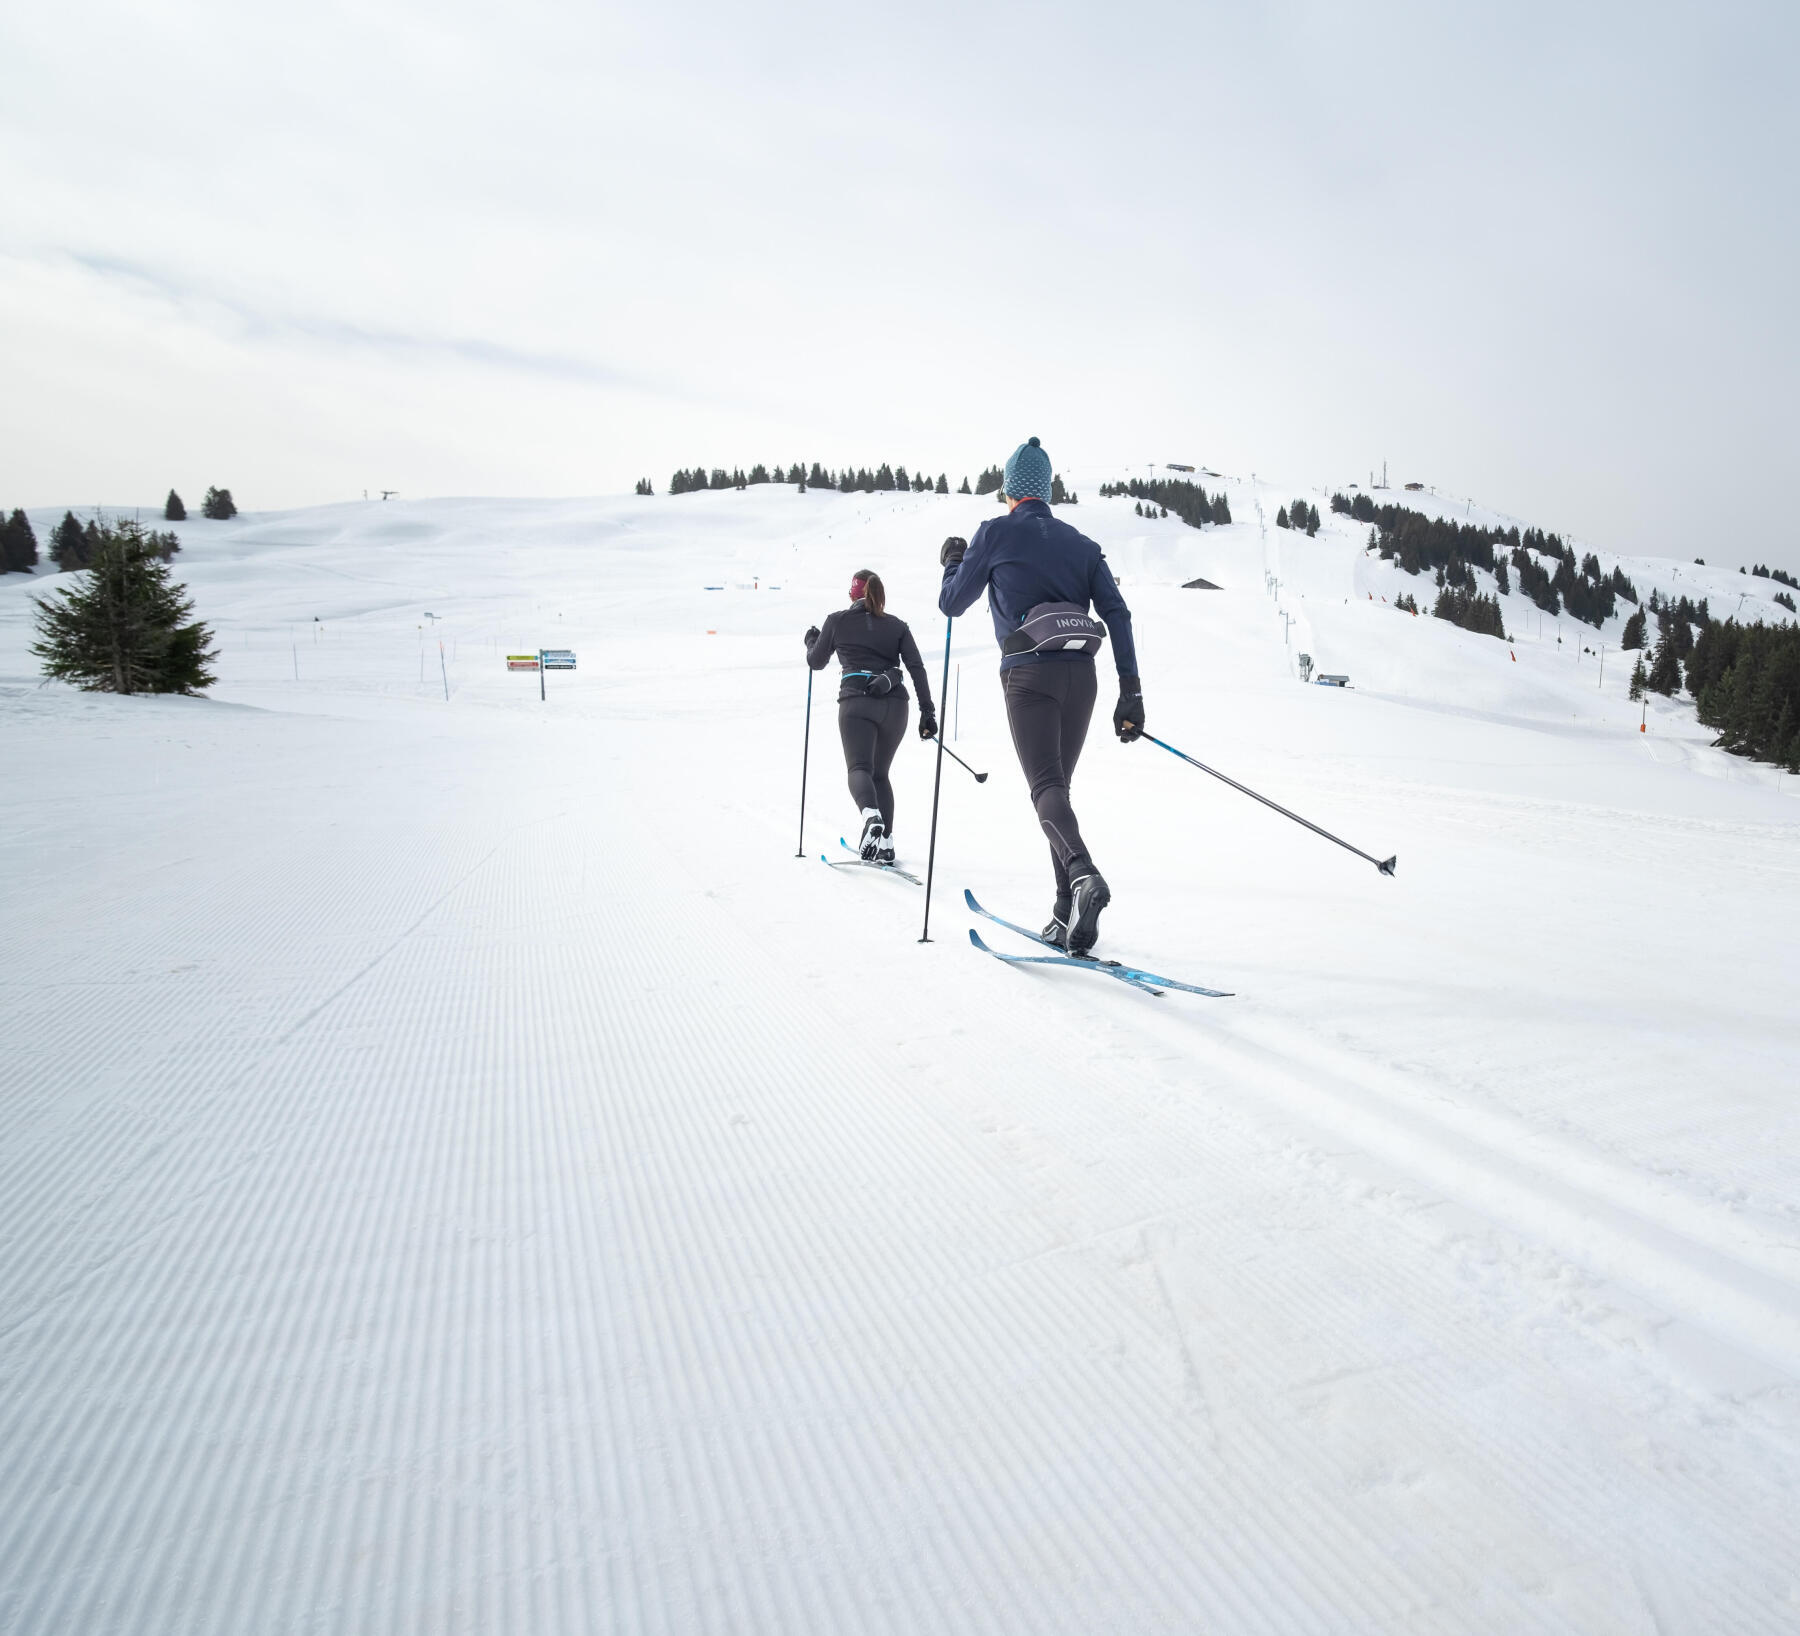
(874, 684)
(1056, 627)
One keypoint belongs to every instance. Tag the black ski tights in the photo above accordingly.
(1048, 706)
(872, 730)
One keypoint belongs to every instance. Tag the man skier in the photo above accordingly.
(1041, 577)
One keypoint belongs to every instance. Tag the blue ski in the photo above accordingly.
(864, 863)
(1111, 968)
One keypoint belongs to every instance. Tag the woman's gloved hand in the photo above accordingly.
(812, 635)
(927, 724)
(1128, 714)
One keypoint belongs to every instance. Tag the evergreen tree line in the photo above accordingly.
(1746, 682)
(1786, 601)
(1407, 604)
(1452, 549)
(884, 479)
(75, 545)
(1189, 501)
(1300, 515)
(126, 628)
(851, 480)
(1472, 611)
(1776, 574)
(1142, 510)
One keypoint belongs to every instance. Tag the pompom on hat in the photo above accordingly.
(1027, 475)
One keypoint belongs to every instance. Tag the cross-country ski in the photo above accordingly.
(868, 863)
(1109, 968)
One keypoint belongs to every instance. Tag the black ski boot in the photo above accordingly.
(874, 833)
(1088, 895)
(1056, 934)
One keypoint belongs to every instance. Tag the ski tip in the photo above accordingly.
(975, 938)
(969, 898)
(1388, 867)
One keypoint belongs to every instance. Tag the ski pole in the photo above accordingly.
(937, 783)
(980, 778)
(805, 751)
(1385, 868)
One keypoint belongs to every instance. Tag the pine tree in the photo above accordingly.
(1665, 669)
(1312, 521)
(1500, 578)
(218, 505)
(943, 485)
(644, 486)
(759, 473)
(1633, 636)
(127, 628)
(173, 510)
(901, 479)
(965, 488)
(884, 478)
(68, 545)
(18, 545)
(1281, 517)
(1638, 679)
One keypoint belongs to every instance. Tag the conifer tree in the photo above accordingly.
(943, 485)
(965, 488)
(1638, 679)
(1665, 669)
(173, 510)
(127, 628)
(218, 505)
(1281, 517)
(759, 473)
(68, 545)
(18, 545)
(884, 478)
(1500, 577)
(901, 479)
(1633, 636)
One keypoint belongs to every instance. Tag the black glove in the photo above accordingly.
(952, 552)
(812, 635)
(1128, 714)
(927, 723)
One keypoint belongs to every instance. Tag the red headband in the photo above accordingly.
(857, 587)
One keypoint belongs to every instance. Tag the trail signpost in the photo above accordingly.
(544, 659)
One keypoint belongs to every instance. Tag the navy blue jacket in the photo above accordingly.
(1029, 556)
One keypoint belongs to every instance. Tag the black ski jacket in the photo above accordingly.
(1029, 556)
(872, 642)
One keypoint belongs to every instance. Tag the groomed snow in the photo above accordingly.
(460, 1170)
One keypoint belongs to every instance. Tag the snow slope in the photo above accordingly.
(459, 1169)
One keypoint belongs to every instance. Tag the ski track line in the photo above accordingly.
(1546, 1456)
(296, 1216)
(1700, 1264)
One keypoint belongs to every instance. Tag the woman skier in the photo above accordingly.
(1041, 576)
(871, 644)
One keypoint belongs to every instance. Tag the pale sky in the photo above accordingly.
(1543, 255)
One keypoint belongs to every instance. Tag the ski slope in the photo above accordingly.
(461, 1169)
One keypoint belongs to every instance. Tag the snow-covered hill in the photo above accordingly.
(459, 1167)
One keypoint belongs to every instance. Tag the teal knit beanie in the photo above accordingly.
(1027, 473)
